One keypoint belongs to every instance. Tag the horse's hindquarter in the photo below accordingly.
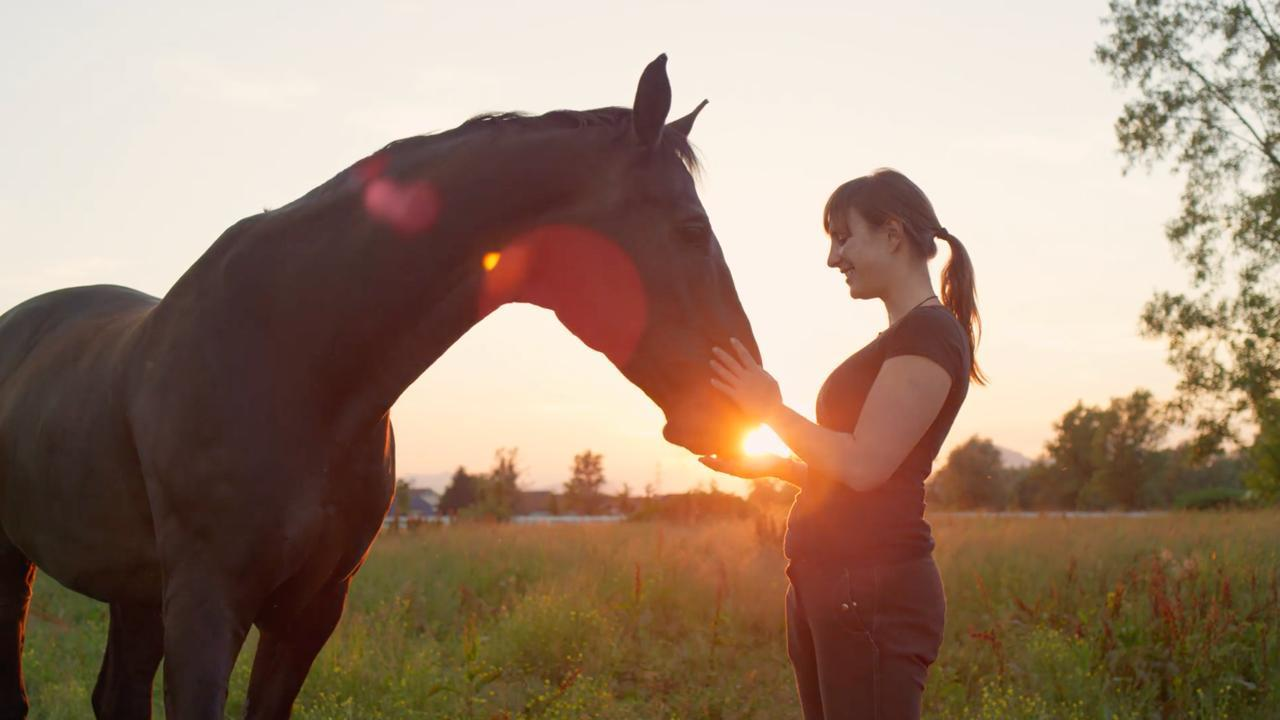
(72, 497)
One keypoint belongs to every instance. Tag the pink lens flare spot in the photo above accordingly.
(408, 209)
(585, 277)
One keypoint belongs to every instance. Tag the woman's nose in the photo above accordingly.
(833, 257)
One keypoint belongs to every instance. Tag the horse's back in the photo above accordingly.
(24, 326)
(71, 494)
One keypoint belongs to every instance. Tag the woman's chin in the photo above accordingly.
(863, 291)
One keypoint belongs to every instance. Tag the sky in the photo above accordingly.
(134, 133)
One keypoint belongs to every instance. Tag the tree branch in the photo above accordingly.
(1215, 126)
(1263, 145)
(1272, 37)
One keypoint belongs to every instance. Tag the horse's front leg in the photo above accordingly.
(205, 623)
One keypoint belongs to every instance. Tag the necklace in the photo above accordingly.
(913, 307)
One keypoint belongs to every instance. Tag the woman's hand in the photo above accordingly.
(750, 467)
(745, 382)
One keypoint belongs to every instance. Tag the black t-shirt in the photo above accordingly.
(830, 520)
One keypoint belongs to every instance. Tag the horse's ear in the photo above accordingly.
(653, 102)
(684, 125)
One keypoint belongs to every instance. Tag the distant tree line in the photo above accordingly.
(1111, 458)
(496, 494)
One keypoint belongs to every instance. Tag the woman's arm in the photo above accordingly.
(903, 401)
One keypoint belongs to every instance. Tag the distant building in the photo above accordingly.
(422, 506)
(535, 502)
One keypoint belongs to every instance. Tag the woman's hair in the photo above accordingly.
(886, 195)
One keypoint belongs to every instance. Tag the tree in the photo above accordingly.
(973, 477)
(1042, 486)
(582, 489)
(498, 491)
(1126, 452)
(461, 492)
(1101, 457)
(624, 500)
(1263, 475)
(1207, 76)
(401, 503)
(1073, 458)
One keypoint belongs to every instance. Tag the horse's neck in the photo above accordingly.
(361, 295)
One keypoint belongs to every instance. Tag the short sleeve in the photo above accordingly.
(935, 335)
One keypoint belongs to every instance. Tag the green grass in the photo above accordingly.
(1156, 617)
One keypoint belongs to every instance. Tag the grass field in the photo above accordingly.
(1173, 616)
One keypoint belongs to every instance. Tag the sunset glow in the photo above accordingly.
(764, 441)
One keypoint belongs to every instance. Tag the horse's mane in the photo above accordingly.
(609, 117)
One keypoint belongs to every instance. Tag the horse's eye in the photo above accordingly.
(696, 234)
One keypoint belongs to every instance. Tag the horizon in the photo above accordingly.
(439, 480)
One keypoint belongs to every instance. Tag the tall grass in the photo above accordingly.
(1156, 617)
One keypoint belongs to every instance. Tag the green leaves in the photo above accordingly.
(974, 477)
(1205, 75)
(1263, 476)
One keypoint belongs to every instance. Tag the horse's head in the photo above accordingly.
(630, 264)
(692, 302)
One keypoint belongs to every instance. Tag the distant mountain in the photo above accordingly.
(1013, 458)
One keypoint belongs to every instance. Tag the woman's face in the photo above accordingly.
(863, 253)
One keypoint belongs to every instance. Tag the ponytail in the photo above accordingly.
(960, 295)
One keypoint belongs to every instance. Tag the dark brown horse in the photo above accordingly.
(223, 457)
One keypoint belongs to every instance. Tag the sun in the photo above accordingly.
(764, 441)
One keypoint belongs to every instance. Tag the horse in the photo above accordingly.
(223, 457)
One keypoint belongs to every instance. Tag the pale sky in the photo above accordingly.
(134, 133)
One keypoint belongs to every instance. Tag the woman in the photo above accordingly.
(865, 605)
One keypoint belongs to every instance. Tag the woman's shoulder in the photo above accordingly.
(934, 332)
(936, 320)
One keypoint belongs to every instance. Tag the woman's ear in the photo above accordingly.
(894, 233)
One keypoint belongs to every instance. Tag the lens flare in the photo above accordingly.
(764, 441)
(585, 277)
(491, 260)
(409, 208)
